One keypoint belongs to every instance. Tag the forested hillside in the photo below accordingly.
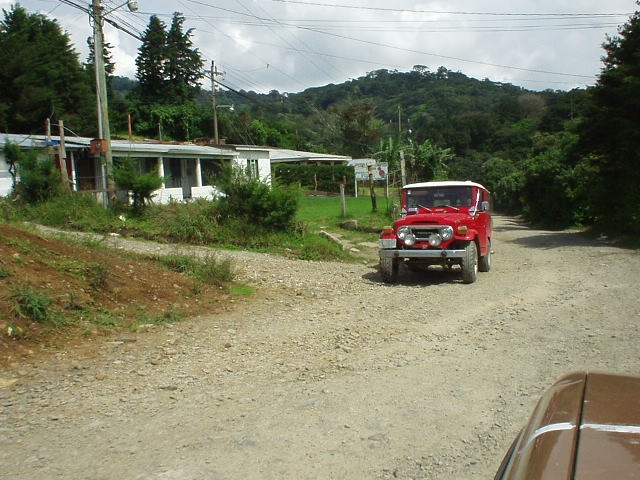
(447, 125)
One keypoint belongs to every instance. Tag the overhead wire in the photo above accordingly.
(447, 12)
(197, 14)
(343, 29)
(232, 39)
(301, 41)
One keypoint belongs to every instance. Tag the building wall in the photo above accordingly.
(258, 162)
(6, 183)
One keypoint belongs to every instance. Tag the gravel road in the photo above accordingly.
(328, 373)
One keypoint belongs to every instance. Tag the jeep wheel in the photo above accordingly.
(389, 269)
(470, 263)
(484, 265)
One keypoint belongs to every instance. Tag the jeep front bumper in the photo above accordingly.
(416, 253)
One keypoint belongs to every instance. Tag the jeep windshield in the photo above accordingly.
(438, 197)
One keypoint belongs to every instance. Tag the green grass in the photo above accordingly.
(31, 303)
(209, 270)
(318, 213)
(197, 223)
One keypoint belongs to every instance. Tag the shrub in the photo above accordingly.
(127, 176)
(250, 200)
(193, 223)
(77, 210)
(31, 304)
(39, 179)
(208, 270)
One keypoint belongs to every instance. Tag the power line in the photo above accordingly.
(447, 57)
(404, 10)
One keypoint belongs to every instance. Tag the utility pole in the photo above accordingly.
(62, 155)
(214, 74)
(104, 131)
(403, 171)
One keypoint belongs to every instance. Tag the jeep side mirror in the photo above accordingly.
(484, 206)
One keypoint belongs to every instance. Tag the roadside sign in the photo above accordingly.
(362, 169)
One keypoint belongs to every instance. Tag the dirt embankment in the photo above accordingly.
(328, 373)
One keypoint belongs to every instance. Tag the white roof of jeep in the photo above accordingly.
(466, 183)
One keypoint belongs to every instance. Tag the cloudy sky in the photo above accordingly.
(291, 45)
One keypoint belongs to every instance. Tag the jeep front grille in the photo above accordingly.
(422, 232)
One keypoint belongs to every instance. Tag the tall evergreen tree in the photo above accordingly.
(150, 61)
(41, 76)
(611, 134)
(169, 68)
(183, 65)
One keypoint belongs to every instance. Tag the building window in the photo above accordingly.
(252, 167)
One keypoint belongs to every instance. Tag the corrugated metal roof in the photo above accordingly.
(182, 150)
(284, 155)
(121, 147)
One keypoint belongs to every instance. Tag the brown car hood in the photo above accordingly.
(585, 427)
(609, 441)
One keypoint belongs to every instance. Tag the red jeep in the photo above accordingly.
(442, 223)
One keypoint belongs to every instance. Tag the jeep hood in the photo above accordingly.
(437, 218)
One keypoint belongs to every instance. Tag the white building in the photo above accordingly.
(188, 169)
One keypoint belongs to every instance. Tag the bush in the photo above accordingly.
(315, 247)
(194, 222)
(40, 179)
(31, 304)
(209, 270)
(76, 210)
(127, 176)
(249, 200)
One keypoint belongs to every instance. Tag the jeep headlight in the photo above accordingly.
(434, 239)
(406, 236)
(410, 240)
(402, 232)
(446, 233)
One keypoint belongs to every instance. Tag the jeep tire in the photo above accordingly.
(470, 263)
(389, 268)
(484, 264)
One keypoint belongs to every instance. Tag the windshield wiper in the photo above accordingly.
(424, 208)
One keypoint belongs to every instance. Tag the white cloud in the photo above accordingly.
(310, 45)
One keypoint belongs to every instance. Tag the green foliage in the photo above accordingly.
(253, 203)
(548, 183)
(315, 247)
(610, 135)
(323, 178)
(77, 211)
(429, 162)
(505, 182)
(4, 272)
(150, 61)
(183, 64)
(40, 74)
(194, 223)
(127, 176)
(209, 270)
(97, 274)
(31, 303)
(39, 181)
(359, 127)
(169, 70)
(258, 132)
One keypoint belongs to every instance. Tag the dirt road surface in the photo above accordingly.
(328, 373)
